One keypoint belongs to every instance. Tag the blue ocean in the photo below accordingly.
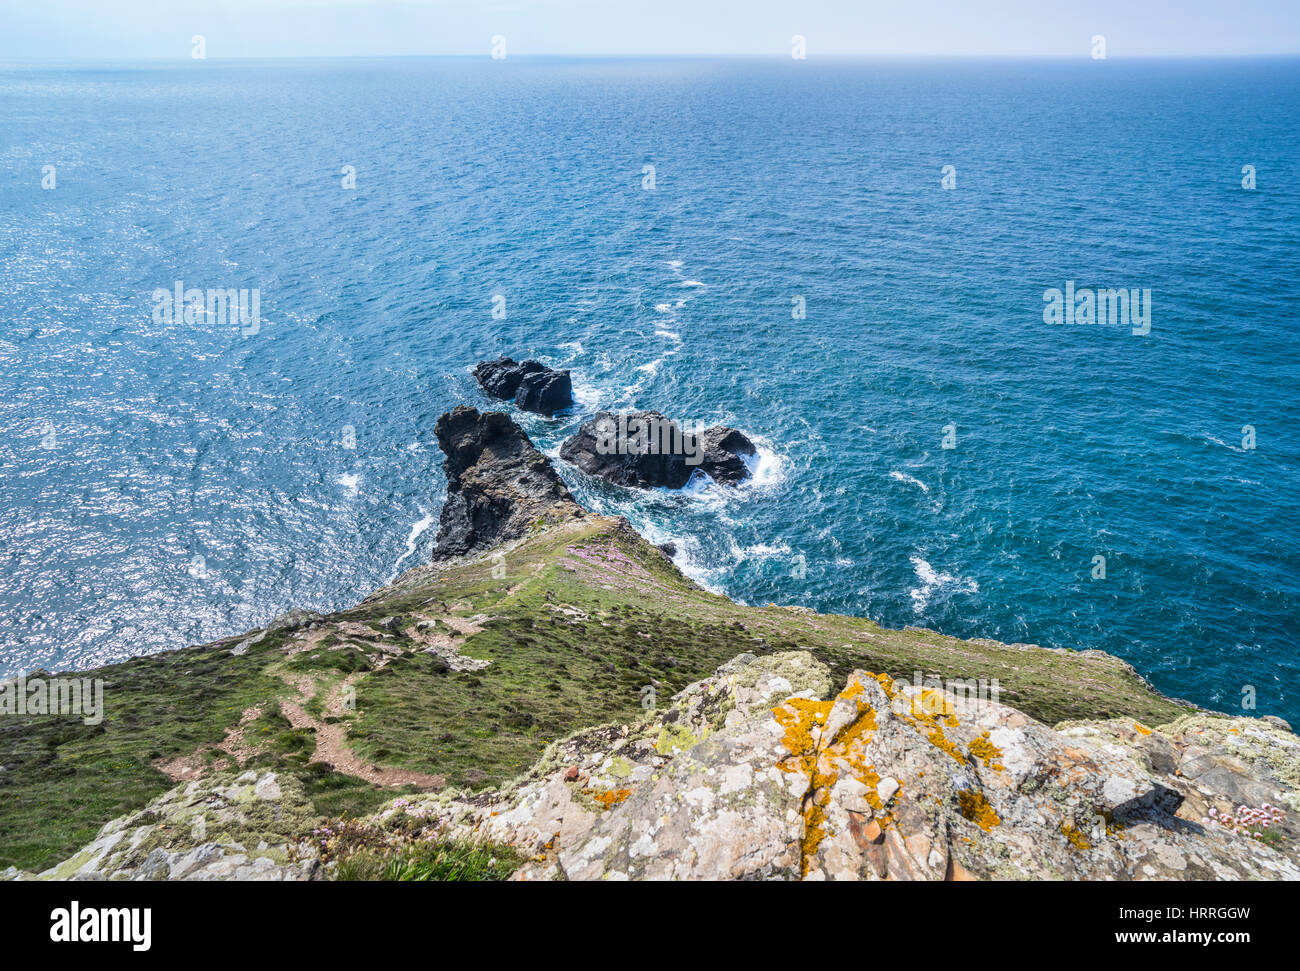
(847, 260)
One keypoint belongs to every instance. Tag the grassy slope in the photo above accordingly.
(586, 615)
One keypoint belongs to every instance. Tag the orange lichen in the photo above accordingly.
(1075, 836)
(804, 722)
(1141, 729)
(609, 798)
(801, 717)
(986, 751)
(976, 808)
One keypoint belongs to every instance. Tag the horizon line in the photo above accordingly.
(912, 56)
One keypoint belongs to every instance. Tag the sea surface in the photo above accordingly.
(168, 482)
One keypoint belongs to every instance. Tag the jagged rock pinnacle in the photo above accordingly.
(498, 483)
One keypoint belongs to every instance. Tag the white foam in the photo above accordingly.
(760, 551)
(767, 467)
(904, 477)
(417, 529)
(933, 581)
(351, 482)
(1206, 436)
(588, 397)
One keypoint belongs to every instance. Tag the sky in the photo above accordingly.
(133, 29)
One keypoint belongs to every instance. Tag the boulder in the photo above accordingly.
(530, 384)
(725, 450)
(253, 825)
(545, 392)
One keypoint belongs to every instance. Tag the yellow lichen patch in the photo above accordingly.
(852, 690)
(977, 809)
(987, 752)
(804, 721)
(941, 741)
(855, 730)
(1112, 828)
(887, 685)
(935, 704)
(1141, 729)
(930, 712)
(814, 827)
(1076, 837)
(801, 717)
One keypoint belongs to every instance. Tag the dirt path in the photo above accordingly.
(233, 747)
(331, 744)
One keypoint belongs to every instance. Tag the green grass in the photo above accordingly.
(551, 675)
(63, 780)
(445, 861)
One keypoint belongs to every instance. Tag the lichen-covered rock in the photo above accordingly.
(248, 826)
(760, 773)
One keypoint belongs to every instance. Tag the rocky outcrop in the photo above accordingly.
(246, 826)
(498, 484)
(545, 392)
(530, 384)
(760, 772)
(646, 450)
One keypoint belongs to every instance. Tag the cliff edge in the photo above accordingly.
(454, 709)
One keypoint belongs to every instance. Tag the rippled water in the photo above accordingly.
(164, 484)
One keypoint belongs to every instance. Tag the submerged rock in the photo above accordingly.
(646, 450)
(530, 384)
(497, 483)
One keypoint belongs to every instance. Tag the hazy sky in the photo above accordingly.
(266, 28)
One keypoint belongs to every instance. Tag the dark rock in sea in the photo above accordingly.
(667, 549)
(530, 384)
(545, 392)
(724, 452)
(497, 483)
(500, 378)
(599, 448)
(645, 450)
